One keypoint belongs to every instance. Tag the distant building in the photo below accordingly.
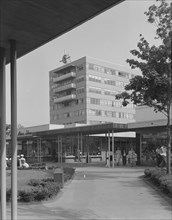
(152, 127)
(142, 111)
(84, 90)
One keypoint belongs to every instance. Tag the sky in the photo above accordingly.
(110, 36)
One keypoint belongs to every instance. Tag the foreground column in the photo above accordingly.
(13, 129)
(2, 135)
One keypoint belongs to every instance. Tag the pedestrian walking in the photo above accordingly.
(159, 158)
(124, 157)
(118, 156)
(132, 157)
(163, 154)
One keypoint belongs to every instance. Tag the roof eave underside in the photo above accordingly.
(32, 23)
(91, 130)
(85, 130)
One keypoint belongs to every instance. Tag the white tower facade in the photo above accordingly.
(84, 90)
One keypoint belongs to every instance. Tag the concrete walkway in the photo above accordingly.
(102, 193)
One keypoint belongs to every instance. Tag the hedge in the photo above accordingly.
(42, 190)
(160, 178)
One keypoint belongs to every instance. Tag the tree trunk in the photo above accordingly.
(168, 122)
(168, 141)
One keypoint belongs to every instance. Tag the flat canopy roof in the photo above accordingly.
(88, 129)
(98, 129)
(32, 23)
(85, 130)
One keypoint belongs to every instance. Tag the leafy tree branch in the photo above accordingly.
(153, 88)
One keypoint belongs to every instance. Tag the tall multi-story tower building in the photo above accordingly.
(83, 91)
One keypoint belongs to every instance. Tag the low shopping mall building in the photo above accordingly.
(93, 143)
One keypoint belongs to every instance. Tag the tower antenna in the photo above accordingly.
(65, 58)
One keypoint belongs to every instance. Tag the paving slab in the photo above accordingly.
(102, 193)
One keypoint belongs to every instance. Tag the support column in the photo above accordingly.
(81, 149)
(40, 146)
(78, 148)
(112, 149)
(2, 134)
(60, 153)
(39, 149)
(72, 145)
(138, 148)
(58, 149)
(61, 149)
(88, 149)
(13, 129)
(108, 149)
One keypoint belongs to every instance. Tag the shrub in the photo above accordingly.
(51, 167)
(147, 172)
(38, 166)
(25, 196)
(160, 178)
(42, 190)
(34, 182)
(156, 175)
(69, 170)
(52, 189)
(49, 179)
(166, 183)
(40, 193)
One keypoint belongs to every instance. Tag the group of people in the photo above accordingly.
(21, 162)
(161, 156)
(125, 157)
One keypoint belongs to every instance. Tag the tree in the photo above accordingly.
(153, 87)
(8, 128)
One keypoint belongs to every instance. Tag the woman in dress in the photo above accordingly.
(132, 157)
(118, 156)
(124, 157)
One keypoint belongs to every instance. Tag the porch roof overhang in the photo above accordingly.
(32, 23)
(85, 130)
(141, 127)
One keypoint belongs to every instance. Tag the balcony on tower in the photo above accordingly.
(65, 87)
(65, 98)
(64, 77)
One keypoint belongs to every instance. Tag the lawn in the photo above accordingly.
(42, 186)
(23, 177)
